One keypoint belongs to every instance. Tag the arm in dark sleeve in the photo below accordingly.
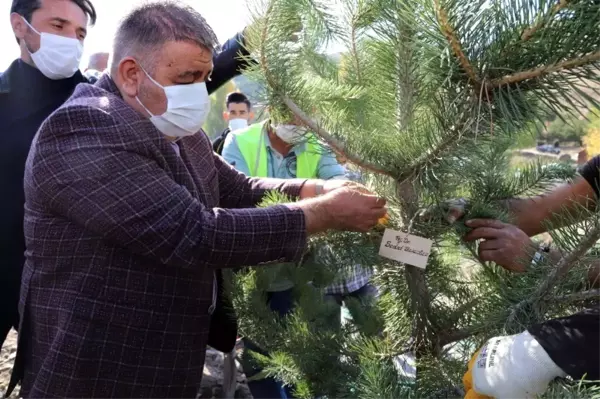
(121, 195)
(229, 63)
(573, 343)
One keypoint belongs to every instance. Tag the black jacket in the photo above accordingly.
(220, 141)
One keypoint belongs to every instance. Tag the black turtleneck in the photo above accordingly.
(27, 98)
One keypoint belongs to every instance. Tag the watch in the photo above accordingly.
(539, 254)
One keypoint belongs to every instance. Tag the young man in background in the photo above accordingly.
(237, 115)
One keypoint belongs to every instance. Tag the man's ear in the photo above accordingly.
(19, 26)
(226, 116)
(251, 116)
(129, 76)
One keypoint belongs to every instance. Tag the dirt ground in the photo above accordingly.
(7, 357)
(212, 380)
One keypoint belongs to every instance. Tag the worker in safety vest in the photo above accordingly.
(286, 151)
(283, 151)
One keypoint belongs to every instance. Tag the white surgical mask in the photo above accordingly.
(58, 57)
(291, 134)
(187, 109)
(238, 123)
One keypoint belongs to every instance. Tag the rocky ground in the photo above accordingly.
(212, 382)
(7, 357)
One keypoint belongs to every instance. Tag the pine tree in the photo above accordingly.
(426, 101)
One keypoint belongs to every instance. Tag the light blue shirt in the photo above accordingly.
(282, 167)
(279, 166)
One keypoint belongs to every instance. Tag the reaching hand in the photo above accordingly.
(515, 366)
(332, 185)
(504, 244)
(346, 208)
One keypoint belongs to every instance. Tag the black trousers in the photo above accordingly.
(573, 342)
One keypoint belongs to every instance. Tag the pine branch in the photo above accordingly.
(263, 41)
(544, 70)
(531, 31)
(563, 266)
(355, 53)
(435, 153)
(336, 144)
(460, 312)
(459, 335)
(455, 44)
(567, 262)
(580, 296)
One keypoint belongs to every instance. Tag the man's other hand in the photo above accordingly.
(504, 244)
(353, 209)
(344, 208)
(336, 184)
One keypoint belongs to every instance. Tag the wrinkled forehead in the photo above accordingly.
(177, 56)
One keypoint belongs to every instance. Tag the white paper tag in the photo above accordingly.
(405, 248)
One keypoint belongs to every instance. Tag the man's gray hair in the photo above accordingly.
(143, 32)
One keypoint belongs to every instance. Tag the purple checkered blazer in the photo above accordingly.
(123, 237)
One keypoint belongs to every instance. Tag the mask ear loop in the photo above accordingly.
(33, 29)
(143, 106)
(151, 78)
(153, 81)
(30, 26)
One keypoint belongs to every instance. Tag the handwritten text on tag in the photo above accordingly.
(405, 248)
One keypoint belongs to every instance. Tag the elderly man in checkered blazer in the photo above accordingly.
(130, 216)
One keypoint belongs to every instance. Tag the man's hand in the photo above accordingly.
(504, 244)
(332, 185)
(344, 208)
(314, 188)
(515, 366)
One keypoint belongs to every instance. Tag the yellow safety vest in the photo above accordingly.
(250, 141)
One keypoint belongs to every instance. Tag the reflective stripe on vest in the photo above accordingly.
(251, 143)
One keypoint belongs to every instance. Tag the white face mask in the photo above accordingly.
(187, 109)
(238, 123)
(291, 134)
(58, 56)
